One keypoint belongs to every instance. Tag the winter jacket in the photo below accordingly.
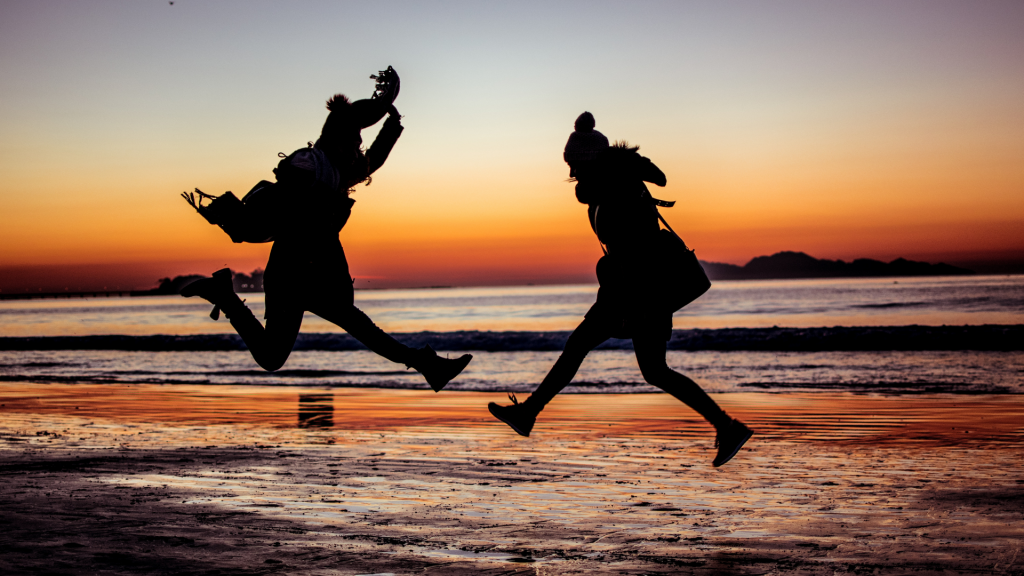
(307, 251)
(626, 222)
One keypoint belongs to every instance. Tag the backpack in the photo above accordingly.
(254, 218)
(244, 220)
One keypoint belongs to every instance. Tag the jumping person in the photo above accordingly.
(610, 181)
(307, 270)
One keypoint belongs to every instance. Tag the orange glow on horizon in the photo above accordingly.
(842, 131)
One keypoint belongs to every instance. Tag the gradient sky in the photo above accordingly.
(841, 129)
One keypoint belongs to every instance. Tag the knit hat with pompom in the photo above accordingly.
(585, 142)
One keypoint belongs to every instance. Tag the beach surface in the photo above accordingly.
(121, 479)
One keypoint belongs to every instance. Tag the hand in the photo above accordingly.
(392, 111)
(388, 84)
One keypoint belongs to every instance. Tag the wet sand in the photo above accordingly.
(252, 480)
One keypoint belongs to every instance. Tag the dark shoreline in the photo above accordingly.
(840, 338)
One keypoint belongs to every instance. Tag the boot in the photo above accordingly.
(521, 417)
(729, 439)
(217, 290)
(438, 371)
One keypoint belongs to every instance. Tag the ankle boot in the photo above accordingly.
(217, 290)
(519, 416)
(437, 370)
(729, 439)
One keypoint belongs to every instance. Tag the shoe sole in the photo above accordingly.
(492, 406)
(736, 450)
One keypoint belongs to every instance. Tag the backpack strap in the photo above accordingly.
(309, 161)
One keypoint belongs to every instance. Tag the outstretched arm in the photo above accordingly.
(651, 173)
(385, 141)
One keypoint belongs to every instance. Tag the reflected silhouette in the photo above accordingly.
(632, 301)
(302, 214)
(316, 410)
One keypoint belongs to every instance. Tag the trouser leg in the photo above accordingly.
(270, 346)
(650, 355)
(438, 371)
(360, 327)
(587, 336)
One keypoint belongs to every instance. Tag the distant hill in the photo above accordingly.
(800, 265)
(252, 282)
(781, 265)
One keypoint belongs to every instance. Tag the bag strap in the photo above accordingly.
(656, 202)
(663, 204)
(665, 222)
(678, 237)
(593, 225)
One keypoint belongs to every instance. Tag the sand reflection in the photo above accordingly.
(316, 410)
(409, 481)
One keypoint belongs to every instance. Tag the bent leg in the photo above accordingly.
(587, 336)
(269, 346)
(650, 354)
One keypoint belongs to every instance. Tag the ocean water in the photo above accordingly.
(607, 371)
(431, 315)
(954, 301)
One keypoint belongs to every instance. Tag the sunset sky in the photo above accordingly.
(840, 129)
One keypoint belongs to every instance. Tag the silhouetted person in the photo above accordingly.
(307, 269)
(610, 181)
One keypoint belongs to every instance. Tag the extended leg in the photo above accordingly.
(438, 371)
(650, 354)
(587, 336)
(360, 327)
(521, 417)
(730, 434)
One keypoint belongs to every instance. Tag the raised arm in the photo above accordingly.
(385, 141)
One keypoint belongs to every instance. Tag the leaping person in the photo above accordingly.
(302, 213)
(610, 181)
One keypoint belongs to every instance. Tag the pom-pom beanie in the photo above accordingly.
(585, 143)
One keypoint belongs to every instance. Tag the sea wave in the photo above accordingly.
(885, 305)
(615, 387)
(605, 371)
(894, 388)
(839, 338)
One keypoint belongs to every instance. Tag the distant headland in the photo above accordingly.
(789, 265)
(782, 265)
